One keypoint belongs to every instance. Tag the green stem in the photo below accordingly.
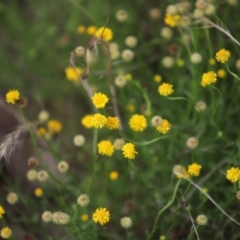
(145, 96)
(95, 136)
(209, 43)
(164, 208)
(178, 98)
(232, 73)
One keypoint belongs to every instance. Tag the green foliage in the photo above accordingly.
(37, 39)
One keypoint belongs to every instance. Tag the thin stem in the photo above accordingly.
(233, 74)
(95, 136)
(164, 208)
(210, 198)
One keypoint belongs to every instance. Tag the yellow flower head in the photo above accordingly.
(112, 123)
(194, 169)
(91, 30)
(38, 192)
(172, 20)
(81, 29)
(12, 96)
(101, 216)
(113, 175)
(87, 121)
(100, 100)
(208, 78)
(2, 211)
(72, 74)
(165, 89)
(128, 76)
(137, 123)
(129, 151)
(233, 174)
(6, 233)
(106, 148)
(222, 55)
(221, 73)
(211, 61)
(84, 217)
(98, 120)
(157, 78)
(130, 107)
(54, 126)
(164, 127)
(105, 33)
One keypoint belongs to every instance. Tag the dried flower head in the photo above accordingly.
(118, 143)
(47, 216)
(6, 233)
(120, 81)
(233, 174)
(129, 151)
(201, 4)
(180, 172)
(100, 100)
(196, 58)
(121, 15)
(192, 142)
(166, 33)
(127, 55)
(165, 89)
(201, 220)
(238, 195)
(184, 21)
(32, 162)
(63, 166)
(156, 121)
(60, 218)
(194, 169)
(200, 106)
(208, 78)
(32, 174)
(168, 62)
(79, 140)
(131, 41)
(42, 176)
(79, 51)
(12, 96)
(210, 10)
(171, 9)
(105, 148)
(164, 127)
(12, 198)
(101, 216)
(126, 222)
(43, 116)
(222, 55)
(113, 175)
(83, 200)
(138, 123)
(154, 13)
(104, 33)
(22, 102)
